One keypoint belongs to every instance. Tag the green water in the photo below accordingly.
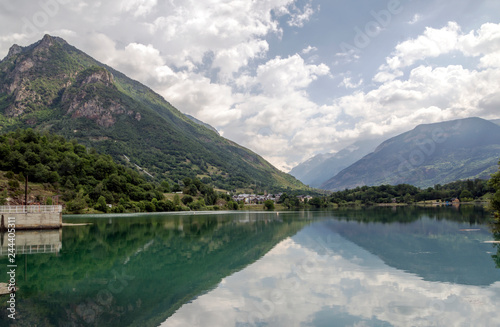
(373, 267)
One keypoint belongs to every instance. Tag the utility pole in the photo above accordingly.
(26, 191)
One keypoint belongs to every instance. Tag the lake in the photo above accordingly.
(402, 266)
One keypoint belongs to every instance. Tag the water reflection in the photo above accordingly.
(339, 272)
(405, 266)
(137, 270)
(33, 242)
(495, 229)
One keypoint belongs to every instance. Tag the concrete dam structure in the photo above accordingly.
(31, 217)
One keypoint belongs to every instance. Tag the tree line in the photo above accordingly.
(85, 179)
(465, 191)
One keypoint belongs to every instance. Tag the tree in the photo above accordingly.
(232, 205)
(407, 198)
(3, 197)
(187, 199)
(101, 204)
(149, 206)
(269, 205)
(316, 202)
(176, 188)
(165, 205)
(190, 190)
(77, 204)
(466, 196)
(177, 200)
(165, 186)
(495, 201)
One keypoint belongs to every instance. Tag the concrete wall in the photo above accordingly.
(42, 220)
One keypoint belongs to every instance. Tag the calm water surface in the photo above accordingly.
(373, 267)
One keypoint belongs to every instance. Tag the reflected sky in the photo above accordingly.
(323, 277)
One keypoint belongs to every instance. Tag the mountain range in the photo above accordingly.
(320, 168)
(429, 154)
(52, 86)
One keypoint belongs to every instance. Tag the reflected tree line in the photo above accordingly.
(468, 214)
(407, 214)
(495, 225)
(138, 271)
(495, 229)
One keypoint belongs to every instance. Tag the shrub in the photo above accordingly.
(269, 205)
(101, 204)
(187, 199)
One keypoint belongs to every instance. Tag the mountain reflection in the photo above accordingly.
(351, 270)
(122, 271)
(377, 267)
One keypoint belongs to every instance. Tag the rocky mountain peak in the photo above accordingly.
(44, 45)
(46, 42)
(14, 50)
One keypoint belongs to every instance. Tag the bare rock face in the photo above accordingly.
(87, 101)
(22, 73)
(45, 44)
(94, 110)
(99, 76)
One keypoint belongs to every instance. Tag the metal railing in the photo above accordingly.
(33, 249)
(30, 209)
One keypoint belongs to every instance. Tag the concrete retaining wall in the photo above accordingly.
(42, 220)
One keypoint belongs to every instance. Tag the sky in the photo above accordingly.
(289, 79)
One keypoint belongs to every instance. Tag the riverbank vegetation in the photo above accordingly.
(494, 183)
(464, 191)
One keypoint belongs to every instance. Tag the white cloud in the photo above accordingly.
(437, 42)
(270, 119)
(348, 83)
(138, 7)
(232, 59)
(454, 90)
(300, 17)
(384, 75)
(309, 49)
(433, 43)
(280, 76)
(485, 41)
(416, 18)
(235, 29)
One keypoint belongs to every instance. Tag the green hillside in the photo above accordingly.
(52, 86)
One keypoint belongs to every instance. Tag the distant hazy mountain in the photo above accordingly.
(496, 121)
(320, 168)
(427, 155)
